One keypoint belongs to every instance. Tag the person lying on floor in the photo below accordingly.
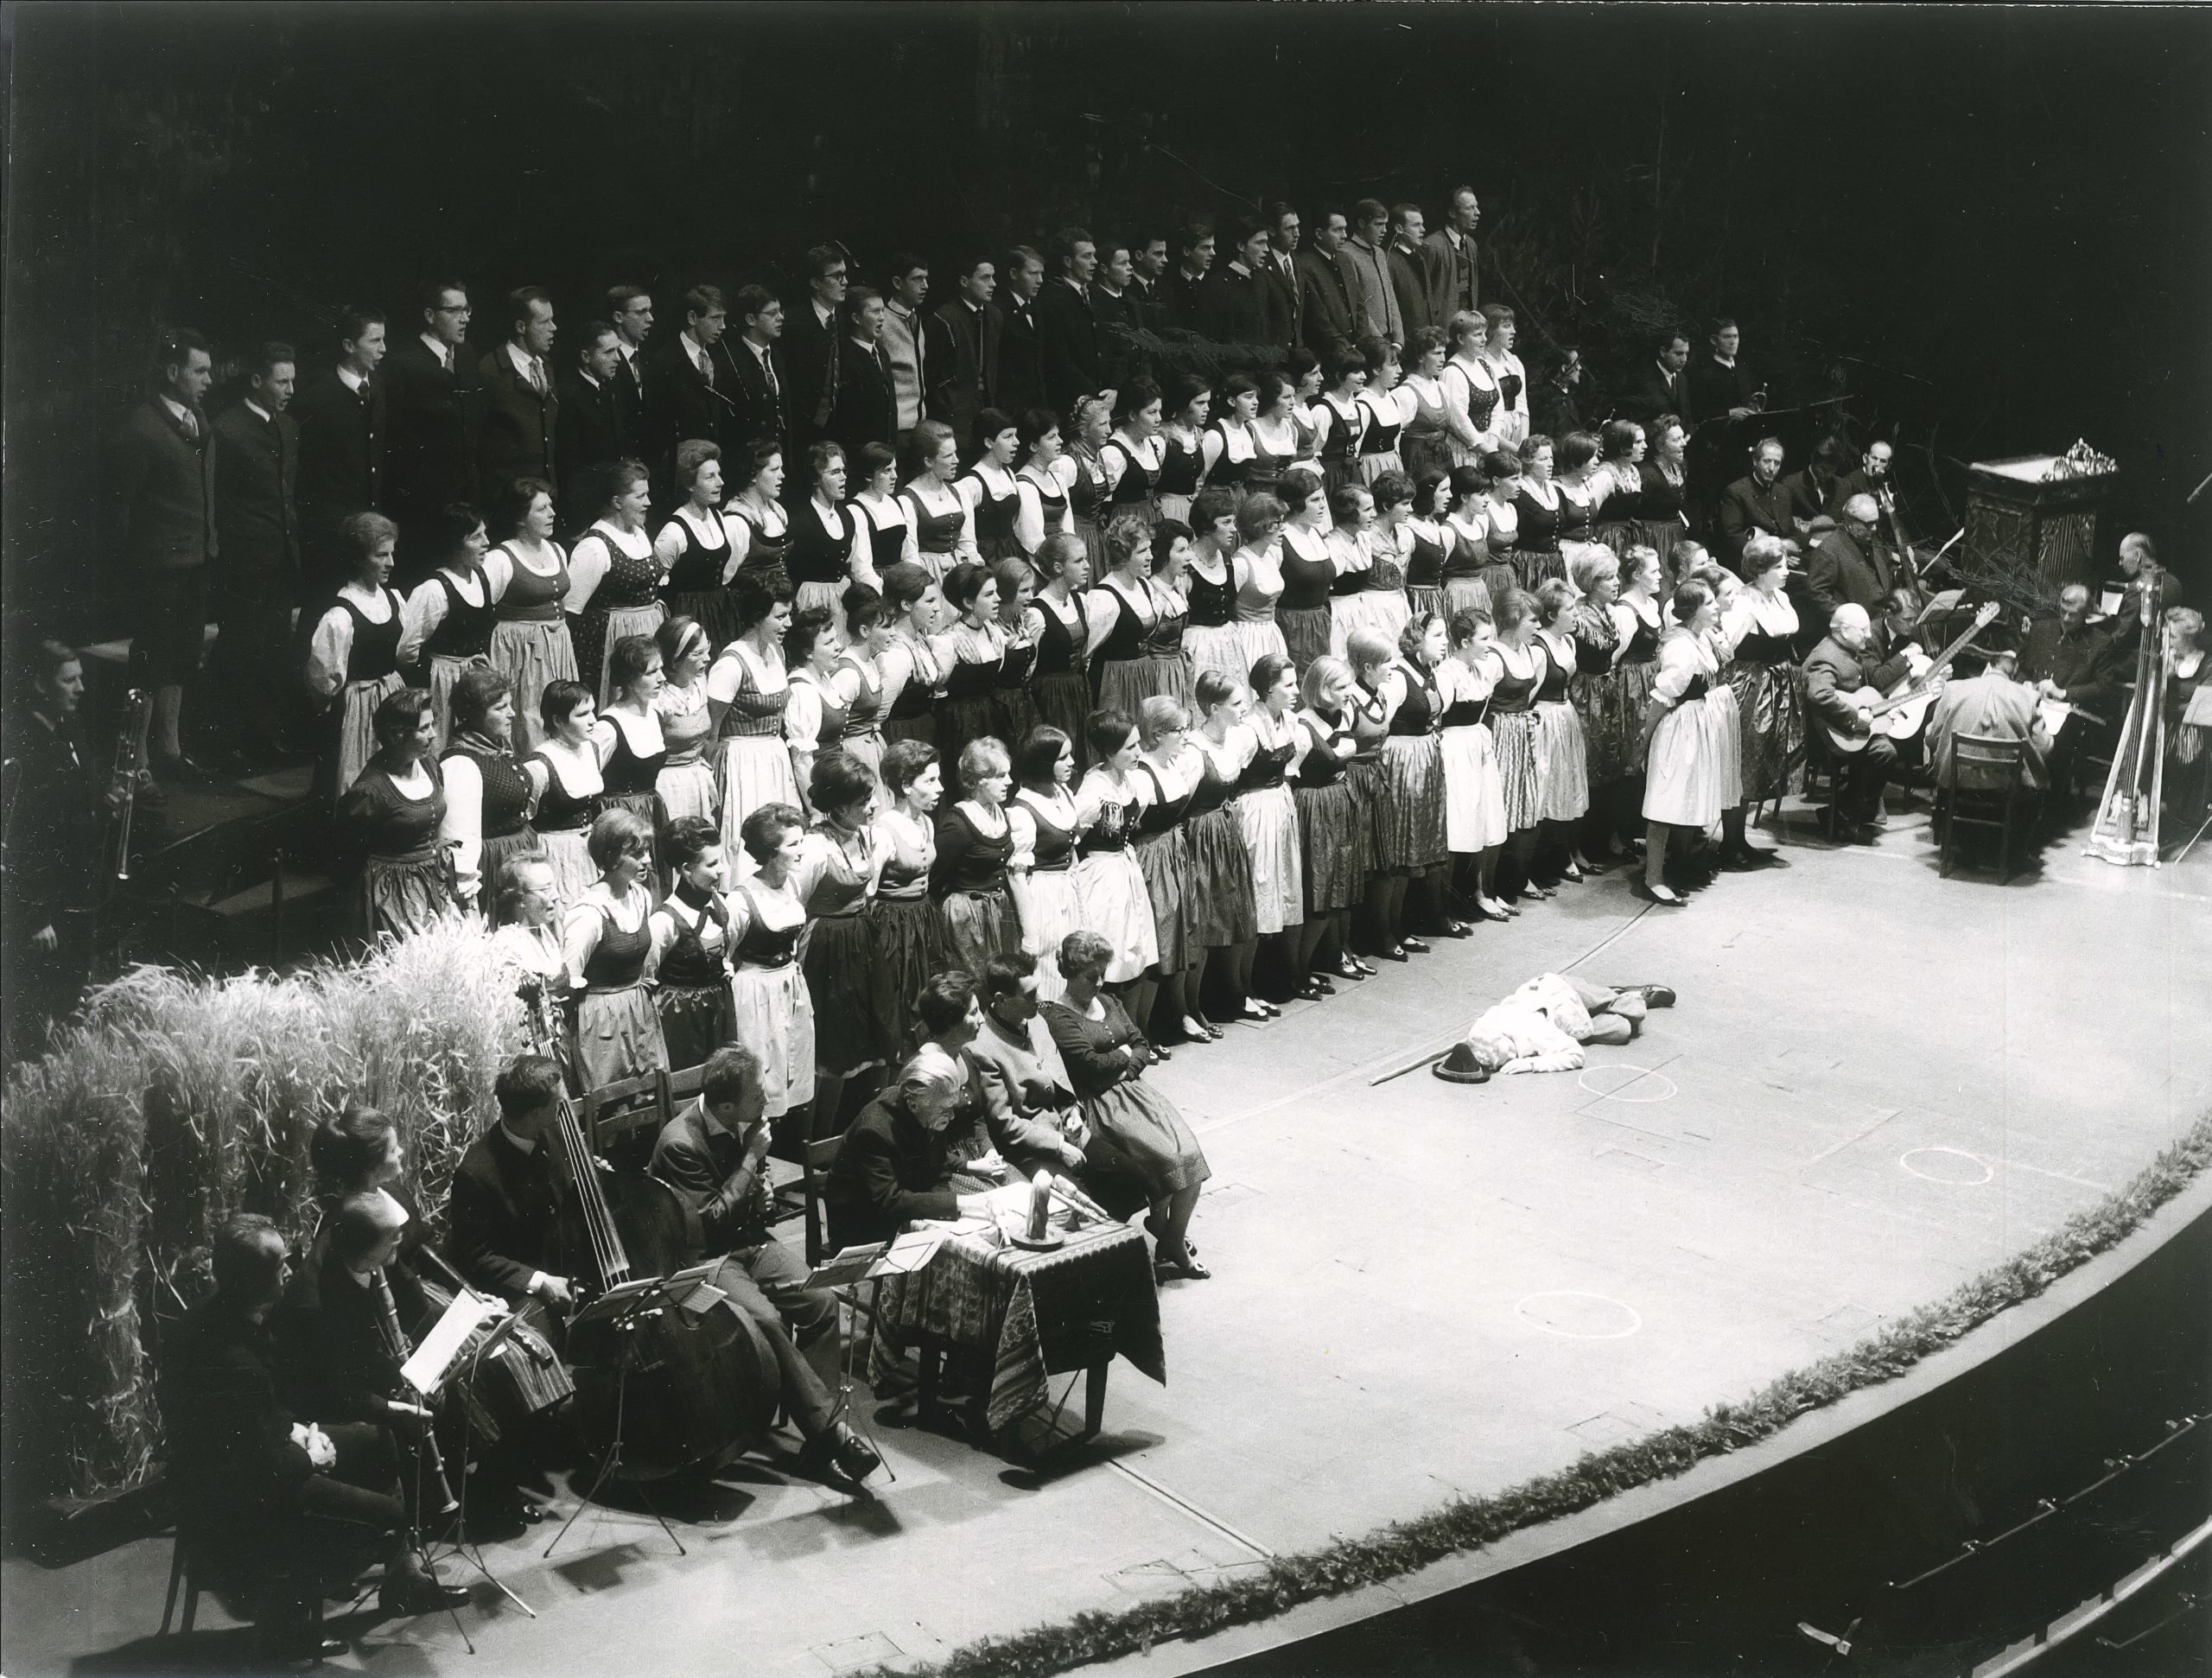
(1543, 1026)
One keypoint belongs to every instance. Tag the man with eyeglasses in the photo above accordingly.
(812, 344)
(434, 405)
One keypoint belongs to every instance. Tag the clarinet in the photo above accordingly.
(447, 1504)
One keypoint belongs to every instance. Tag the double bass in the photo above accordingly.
(681, 1388)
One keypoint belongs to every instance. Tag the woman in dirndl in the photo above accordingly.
(691, 944)
(1427, 443)
(759, 528)
(1760, 625)
(1391, 545)
(989, 489)
(1470, 392)
(886, 525)
(1047, 825)
(1695, 765)
(1335, 824)
(1353, 605)
(568, 759)
(1209, 637)
(631, 749)
(607, 940)
(830, 547)
(355, 652)
(841, 864)
(693, 546)
(489, 796)
(944, 525)
(1062, 633)
(390, 819)
(1043, 482)
(1662, 483)
(1388, 406)
(1111, 897)
(1170, 775)
(1014, 700)
(1246, 747)
(1304, 612)
(1426, 541)
(1105, 1050)
(1256, 568)
(1229, 450)
(747, 690)
(1183, 438)
(814, 715)
(1410, 845)
(1276, 440)
(1521, 669)
(907, 940)
(910, 666)
(973, 649)
(1620, 472)
(857, 679)
(1131, 457)
(1341, 419)
(775, 1014)
(1597, 691)
(1268, 811)
(451, 614)
(976, 850)
(686, 784)
(613, 573)
(1219, 894)
(1474, 800)
(1639, 619)
(529, 576)
(1540, 512)
(1136, 617)
(1562, 747)
(1090, 424)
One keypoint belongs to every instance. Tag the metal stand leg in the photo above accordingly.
(613, 1460)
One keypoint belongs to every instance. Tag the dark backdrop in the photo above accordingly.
(1987, 224)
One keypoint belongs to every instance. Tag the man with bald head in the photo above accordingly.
(1849, 565)
(1839, 666)
(2084, 664)
(890, 1168)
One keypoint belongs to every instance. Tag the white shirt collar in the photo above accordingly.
(352, 380)
(257, 408)
(821, 314)
(443, 352)
(694, 349)
(178, 411)
(521, 357)
(521, 1144)
(624, 348)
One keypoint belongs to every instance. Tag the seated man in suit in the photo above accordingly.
(503, 1218)
(1994, 704)
(263, 1486)
(1870, 477)
(1849, 565)
(2071, 659)
(1758, 502)
(892, 1170)
(1839, 666)
(713, 1154)
(1812, 488)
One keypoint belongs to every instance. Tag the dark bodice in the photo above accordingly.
(1321, 766)
(761, 944)
(1656, 499)
(1426, 568)
(1540, 524)
(967, 859)
(383, 820)
(557, 811)
(1163, 812)
(1059, 647)
(375, 646)
(1517, 693)
(464, 632)
(687, 963)
(506, 788)
(1055, 845)
(698, 569)
(1417, 713)
(625, 773)
(818, 555)
(1178, 467)
(1643, 642)
(1212, 604)
(618, 960)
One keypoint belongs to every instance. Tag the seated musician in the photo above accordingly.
(264, 1488)
(1838, 668)
(1543, 1026)
(1022, 1065)
(2081, 664)
(891, 1169)
(1994, 704)
(987, 1122)
(1849, 566)
(713, 1154)
(502, 1220)
(528, 942)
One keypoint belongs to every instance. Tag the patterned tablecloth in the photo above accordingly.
(1036, 1314)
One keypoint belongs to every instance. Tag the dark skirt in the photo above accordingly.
(914, 727)
(1535, 566)
(1771, 713)
(979, 925)
(1094, 543)
(491, 863)
(716, 609)
(1333, 844)
(1151, 1134)
(1164, 859)
(694, 1021)
(1125, 683)
(1409, 784)
(1013, 713)
(1064, 701)
(906, 943)
(836, 955)
(1218, 894)
(1619, 534)
(400, 895)
(1305, 632)
(958, 722)
(1612, 720)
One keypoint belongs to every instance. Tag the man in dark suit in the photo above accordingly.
(1455, 284)
(2070, 658)
(714, 1155)
(1148, 261)
(866, 411)
(1237, 305)
(522, 409)
(593, 435)
(1279, 268)
(1839, 666)
(1120, 316)
(1067, 323)
(760, 405)
(1660, 385)
(342, 434)
(1758, 502)
(1812, 488)
(1412, 273)
(1871, 477)
(1180, 298)
(813, 339)
(1725, 398)
(1022, 342)
(162, 486)
(1849, 565)
(257, 575)
(503, 1219)
(433, 401)
(691, 392)
(964, 351)
(1325, 301)
(630, 309)
(890, 1168)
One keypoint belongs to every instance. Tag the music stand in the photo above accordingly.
(842, 1274)
(460, 1544)
(623, 1308)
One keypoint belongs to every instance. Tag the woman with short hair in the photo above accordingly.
(1695, 759)
(1014, 706)
(830, 550)
(1136, 616)
(912, 664)
(759, 529)
(1563, 749)
(528, 577)
(1048, 824)
(1090, 424)
(856, 679)
(1759, 629)
(1276, 439)
(1304, 612)
(840, 868)
(1471, 397)
(1131, 457)
(1341, 419)
(1170, 773)
(906, 931)
(1230, 447)
(489, 794)
(748, 692)
(1389, 407)
(607, 942)
(570, 795)
(613, 572)
(355, 652)
(1540, 515)
(1209, 636)
(1183, 436)
(1042, 483)
(815, 714)
(389, 819)
(627, 735)
(885, 524)
(686, 783)
(1335, 824)
(1111, 896)
(1662, 489)
(1521, 669)
(1474, 800)
(1620, 471)
(990, 489)
(693, 546)
(1427, 444)
(451, 614)
(775, 1014)
(691, 944)
(1062, 633)
(974, 649)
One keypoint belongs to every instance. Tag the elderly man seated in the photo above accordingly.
(890, 1168)
(1543, 1026)
(1992, 704)
(1839, 669)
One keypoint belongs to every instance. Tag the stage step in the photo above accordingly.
(298, 888)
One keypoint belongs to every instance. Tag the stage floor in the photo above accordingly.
(1876, 1083)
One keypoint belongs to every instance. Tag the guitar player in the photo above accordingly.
(1843, 663)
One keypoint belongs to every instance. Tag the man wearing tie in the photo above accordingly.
(688, 392)
(1455, 284)
(759, 408)
(161, 479)
(257, 574)
(1660, 386)
(1327, 305)
(963, 349)
(1067, 324)
(865, 411)
(593, 433)
(1279, 268)
(813, 344)
(341, 417)
(1021, 351)
(433, 401)
(521, 411)
(1408, 260)
(1148, 267)
(630, 307)
(905, 351)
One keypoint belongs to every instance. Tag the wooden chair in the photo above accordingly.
(820, 1157)
(613, 1114)
(1982, 767)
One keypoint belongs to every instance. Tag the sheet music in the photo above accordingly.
(434, 1359)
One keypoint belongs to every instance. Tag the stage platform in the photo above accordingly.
(1876, 1083)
